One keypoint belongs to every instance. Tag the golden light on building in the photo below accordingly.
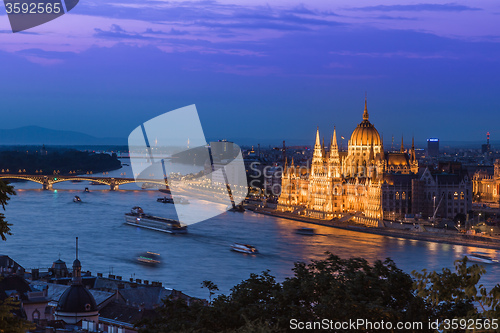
(339, 182)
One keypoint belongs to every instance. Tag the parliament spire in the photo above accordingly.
(365, 113)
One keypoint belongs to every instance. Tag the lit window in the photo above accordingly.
(397, 195)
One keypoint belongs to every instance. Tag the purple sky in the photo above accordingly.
(260, 71)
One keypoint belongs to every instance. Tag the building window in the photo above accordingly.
(462, 196)
(403, 195)
(397, 195)
(456, 195)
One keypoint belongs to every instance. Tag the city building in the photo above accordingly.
(33, 302)
(433, 147)
(272, 180)
(351, 181)
(372, 184)
(223, 150)
(77, 303)
(486, 186)
(445, 192)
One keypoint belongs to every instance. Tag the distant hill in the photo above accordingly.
(35, 135)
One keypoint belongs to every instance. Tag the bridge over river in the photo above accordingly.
(47, 181)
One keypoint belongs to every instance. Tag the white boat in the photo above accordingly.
(244, 248)
(149, 258)
(138, 218)
(482, 257)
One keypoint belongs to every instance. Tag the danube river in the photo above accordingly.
(45, 224)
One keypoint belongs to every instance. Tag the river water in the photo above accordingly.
(45, 224)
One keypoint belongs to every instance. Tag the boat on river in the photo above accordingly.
(149, 258)
(138, 218)
(482, 257)
(305, 231)
(244, 248)
(77, 199)
(178, 200)
(165, 200)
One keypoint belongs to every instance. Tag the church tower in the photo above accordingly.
(413, 157)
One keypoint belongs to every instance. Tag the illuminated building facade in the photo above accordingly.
(351, 181)
(486, 187)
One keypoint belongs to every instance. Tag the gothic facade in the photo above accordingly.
(349, 181)
(486, 186)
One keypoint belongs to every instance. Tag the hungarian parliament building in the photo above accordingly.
(371, 183)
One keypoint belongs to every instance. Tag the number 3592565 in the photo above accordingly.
(33, 8)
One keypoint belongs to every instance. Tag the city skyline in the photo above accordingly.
(258, 71)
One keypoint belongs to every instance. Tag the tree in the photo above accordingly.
(9, 323)
(339, 290)
(333, 288)
(5, 191)
(455, 294)
(212, 288)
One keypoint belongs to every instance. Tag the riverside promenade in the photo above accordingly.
(450, 237)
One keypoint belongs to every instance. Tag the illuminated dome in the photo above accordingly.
(365, 134)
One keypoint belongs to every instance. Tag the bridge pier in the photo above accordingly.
(47, 185)
(113, 186)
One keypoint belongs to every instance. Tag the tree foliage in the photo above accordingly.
(339, 290)
(10, 323)
(5, 191)
(458, 294)
(333, 288)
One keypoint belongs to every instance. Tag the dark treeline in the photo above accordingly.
(65, 161)
(340, 290)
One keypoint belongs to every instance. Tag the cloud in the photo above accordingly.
(117, 32)
(448, 7)
(388, 17)
(42, 57)
(396, 54)
(46, 54)
(172, 32)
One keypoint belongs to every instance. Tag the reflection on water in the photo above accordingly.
(46, 222)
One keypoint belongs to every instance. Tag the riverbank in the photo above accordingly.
(447, 238)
